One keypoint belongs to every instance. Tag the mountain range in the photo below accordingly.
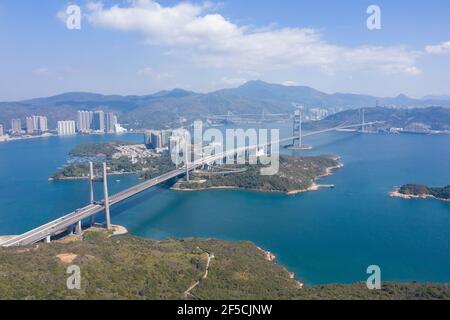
(170, 108)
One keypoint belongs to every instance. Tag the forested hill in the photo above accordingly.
(127, 267)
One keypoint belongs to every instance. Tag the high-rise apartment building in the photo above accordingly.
(29, 125)
(99, 121)
(66, 127)
(111, 121)
(2, 133)
(36, 124)
(84, 121)
(16, 126)
(43, 124)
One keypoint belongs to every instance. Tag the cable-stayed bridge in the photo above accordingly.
(74, 219)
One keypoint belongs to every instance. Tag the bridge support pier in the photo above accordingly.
(47, 239)
(105, 190)
(91, 185)
(78, 229)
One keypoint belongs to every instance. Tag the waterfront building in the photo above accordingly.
(36, 124)
(16, 126)
(148, 138)
(66, 127)
(42, 124)
(29, 125)
(165, 136)
(2, 133)
(154, 139)
(98, 121)
(111, 122)
(119, 129)
(84, 121)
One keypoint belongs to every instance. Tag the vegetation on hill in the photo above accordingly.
(147, 166)
(126, 267)
(423, 190)
(95, 149)
(296, 173)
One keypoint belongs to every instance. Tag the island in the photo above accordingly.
(418, 191)
(128, 267)
(296, 174)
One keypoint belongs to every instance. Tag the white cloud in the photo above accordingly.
(441, 48)
(208, 39)
(290, 83)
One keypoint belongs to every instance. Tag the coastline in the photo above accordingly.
(269, 256)
(397, 194)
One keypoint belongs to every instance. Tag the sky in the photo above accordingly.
(143, 46)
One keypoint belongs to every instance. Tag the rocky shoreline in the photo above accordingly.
(397, 194)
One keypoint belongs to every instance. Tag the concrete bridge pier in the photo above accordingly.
(47, 239)
(78, 229)
(91, 186)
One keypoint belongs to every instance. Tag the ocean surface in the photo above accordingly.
(325, 236)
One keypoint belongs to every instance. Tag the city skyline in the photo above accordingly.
(86, 122)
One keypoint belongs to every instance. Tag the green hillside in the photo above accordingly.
(127, 267)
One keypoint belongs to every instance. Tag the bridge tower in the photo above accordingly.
(91, 186)
(105, 190)
(297, 128)
(186, 158)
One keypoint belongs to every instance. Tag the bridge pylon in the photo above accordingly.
(186, 159)
(297, 128)
(91, 187)
(297, 132)
(105, 190)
